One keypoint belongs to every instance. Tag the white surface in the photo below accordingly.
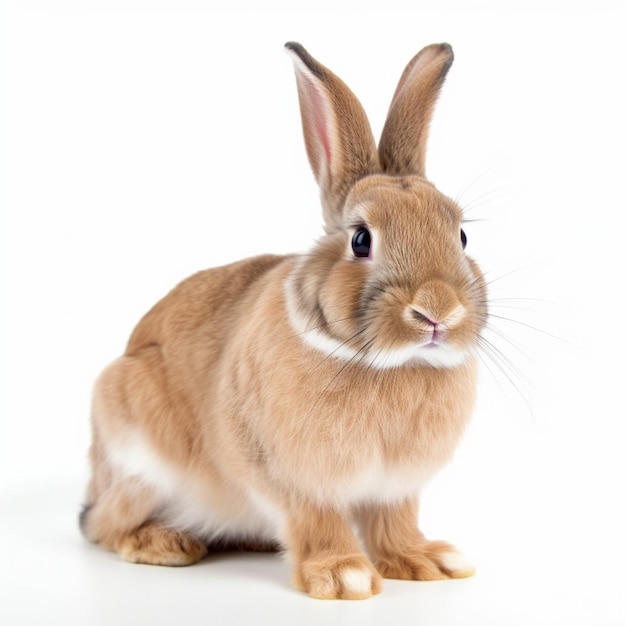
(143, 141)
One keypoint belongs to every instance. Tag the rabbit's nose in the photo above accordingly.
(422, 317)
(428, 321)
(436, 306)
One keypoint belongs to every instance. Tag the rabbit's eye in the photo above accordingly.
(361, 243)
(463, 239)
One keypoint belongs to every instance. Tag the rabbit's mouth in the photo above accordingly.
(432, 344)
(437, 339)
(434, 352)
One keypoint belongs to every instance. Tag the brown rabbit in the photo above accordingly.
(291, 400)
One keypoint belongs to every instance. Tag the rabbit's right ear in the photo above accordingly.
(402, 146)
(337, 133)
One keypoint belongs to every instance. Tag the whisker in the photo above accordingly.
(506, 367)
(511, 272)
(504, 358)
(343, 343)
(471, 182)
(325, 324)
(502, 335)
(483, 198)
(510, 305)
(530, 327)
(489, 361)
(360, 351)
(525, 299)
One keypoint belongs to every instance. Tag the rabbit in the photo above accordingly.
(301, 402)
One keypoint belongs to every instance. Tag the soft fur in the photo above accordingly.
(289, 401)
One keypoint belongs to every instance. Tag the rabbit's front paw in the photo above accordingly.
(432, 560)
(346, 578)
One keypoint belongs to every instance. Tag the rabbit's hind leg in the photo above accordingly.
(155, 544)
(121, 520)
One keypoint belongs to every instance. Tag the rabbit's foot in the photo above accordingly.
(432, 560)
(332, 577)
(153, 544)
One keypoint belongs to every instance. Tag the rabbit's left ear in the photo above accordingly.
(337, 133)
(402, 146)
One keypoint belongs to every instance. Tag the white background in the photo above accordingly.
(141, 142)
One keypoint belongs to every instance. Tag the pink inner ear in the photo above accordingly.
(320, 120)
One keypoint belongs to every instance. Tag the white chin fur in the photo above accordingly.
(443, 356)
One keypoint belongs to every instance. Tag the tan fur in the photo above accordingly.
(224, 423)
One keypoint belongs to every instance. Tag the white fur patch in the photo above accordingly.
(457, 563)
(186, 502)
(441, 356)
(382, 483)
(357, 581)
(133, 457)
(271, 514)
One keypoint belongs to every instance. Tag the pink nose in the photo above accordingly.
(420, 316)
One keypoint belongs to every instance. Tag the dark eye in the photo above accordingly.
(463, 239)
(361, 243)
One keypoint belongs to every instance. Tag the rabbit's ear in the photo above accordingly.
(402, 147)
(337, 133)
